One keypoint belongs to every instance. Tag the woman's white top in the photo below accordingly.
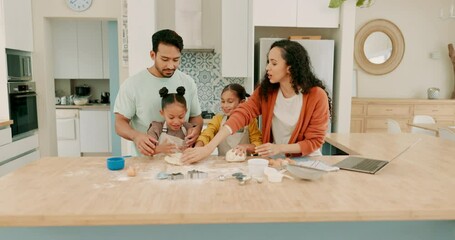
(286, 113)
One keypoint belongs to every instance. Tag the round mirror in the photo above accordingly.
(379, 47)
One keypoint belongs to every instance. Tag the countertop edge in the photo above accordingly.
(94, 106)
(222, 218)
(5, 123)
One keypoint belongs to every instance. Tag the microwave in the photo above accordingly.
(19, 64)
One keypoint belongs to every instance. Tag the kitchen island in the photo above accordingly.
(79, 198)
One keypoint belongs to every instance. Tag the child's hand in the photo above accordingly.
(166, 148)
(240, 150)
(247, 148)
(192, 136)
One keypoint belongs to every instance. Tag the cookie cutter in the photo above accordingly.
(196, 174)
(170, 176)
(242, 178)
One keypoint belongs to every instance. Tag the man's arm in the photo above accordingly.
(194, 132)
(144, 143)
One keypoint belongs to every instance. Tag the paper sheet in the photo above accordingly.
(304, 161)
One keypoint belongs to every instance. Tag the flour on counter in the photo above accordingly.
(119, 176)
(103, 185)
(77, 173)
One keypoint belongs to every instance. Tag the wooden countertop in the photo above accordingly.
(419, 185)
(88, 106)
(4, 123)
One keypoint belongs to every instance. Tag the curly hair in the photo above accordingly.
(168, 37)
(302, 76)
(169, 98)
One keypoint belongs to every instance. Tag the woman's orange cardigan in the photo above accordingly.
(311, 126)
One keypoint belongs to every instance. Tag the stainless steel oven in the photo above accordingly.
(22, 107)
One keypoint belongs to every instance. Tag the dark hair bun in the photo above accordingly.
(181, 90)
(163, 92)
(247, 95)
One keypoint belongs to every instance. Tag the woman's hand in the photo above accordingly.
(192, 155)
(268, 149)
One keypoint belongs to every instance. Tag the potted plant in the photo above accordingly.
(359, 3)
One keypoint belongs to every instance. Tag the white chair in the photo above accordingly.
(393, 126)
(423, 119)
(446, 133)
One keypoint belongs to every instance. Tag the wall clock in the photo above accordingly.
(79, 5)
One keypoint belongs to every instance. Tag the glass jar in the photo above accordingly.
(433, 93)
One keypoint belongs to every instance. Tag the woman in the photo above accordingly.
(294, 105)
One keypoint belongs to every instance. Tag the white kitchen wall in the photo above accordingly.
(43, 11)
(424, 32)
(4, 112)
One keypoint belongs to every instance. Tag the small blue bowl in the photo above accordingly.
(115, 163)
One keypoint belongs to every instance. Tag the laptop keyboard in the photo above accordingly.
(368, 165)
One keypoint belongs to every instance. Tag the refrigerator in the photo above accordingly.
(321, 53)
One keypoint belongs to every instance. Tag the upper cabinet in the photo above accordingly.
(18, 24)
(234, 38)
(295, 13)
(79, 51)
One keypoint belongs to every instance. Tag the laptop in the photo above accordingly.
(368, 165)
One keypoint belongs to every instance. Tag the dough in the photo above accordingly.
(174, 159)
(280, 162)
(131, 171)
(231, 157)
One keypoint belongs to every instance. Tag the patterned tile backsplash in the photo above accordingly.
(205, 68)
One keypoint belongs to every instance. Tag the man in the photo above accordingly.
(138, 102)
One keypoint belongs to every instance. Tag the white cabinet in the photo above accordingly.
(317, 14)
(19, 162)
(105, 38)
(295, 13)
(18, 24)
(5, 135)
(274, 13)
(79, 50)
(95, 131)
(68, 136)
(90, 49)
(4, 109)
(18, 153)
(234, 38)
(64, 40)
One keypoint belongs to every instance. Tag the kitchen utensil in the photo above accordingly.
(303, 172)
(71, 99)
(105, 97)
(196, 174)
(256, 166)
(79, 100)
(115, 163)
(83, 90)
(63, 100)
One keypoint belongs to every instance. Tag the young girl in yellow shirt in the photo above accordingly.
(246, 139)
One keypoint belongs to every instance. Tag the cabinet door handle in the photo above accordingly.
(389, 110)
